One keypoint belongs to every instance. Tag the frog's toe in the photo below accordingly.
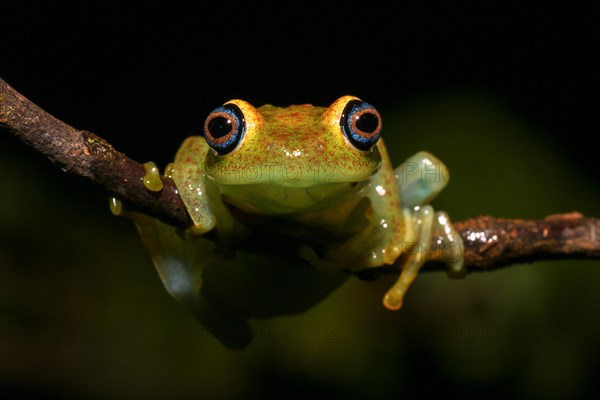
(394, 297)
(393, 300)
(449, 245)
(456, 271)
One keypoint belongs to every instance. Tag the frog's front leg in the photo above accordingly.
(201, 199)
(420, 179)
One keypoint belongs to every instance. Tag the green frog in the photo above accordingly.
(285, 199)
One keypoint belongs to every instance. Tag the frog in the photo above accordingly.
(286, 203)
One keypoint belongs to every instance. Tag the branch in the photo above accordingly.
(489, 242)
(86, 155)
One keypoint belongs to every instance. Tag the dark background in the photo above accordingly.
(184, 60)
(504, 95)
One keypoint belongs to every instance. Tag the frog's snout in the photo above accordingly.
(284, 149)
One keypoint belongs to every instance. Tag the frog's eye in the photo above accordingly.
(224, 128)
(361, 124)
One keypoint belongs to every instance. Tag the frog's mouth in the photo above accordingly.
(272, 199)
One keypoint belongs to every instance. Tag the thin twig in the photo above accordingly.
(489, 242)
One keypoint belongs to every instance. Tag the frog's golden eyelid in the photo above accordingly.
(361, 124)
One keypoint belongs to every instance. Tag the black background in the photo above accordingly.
(154, 69)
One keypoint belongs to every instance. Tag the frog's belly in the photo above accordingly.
(272, 199)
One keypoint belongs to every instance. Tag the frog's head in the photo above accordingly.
(296, 159)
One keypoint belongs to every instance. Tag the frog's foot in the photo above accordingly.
(423, 221)
(436, 239)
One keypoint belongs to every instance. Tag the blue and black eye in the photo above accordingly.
(361, 124)
(224, 128)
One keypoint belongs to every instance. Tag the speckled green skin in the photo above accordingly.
(290, 147)
(295, 164)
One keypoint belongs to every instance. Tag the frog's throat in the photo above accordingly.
(271, 199)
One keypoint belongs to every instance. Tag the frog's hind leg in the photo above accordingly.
(421, 178)
(421, 218)
(180, 264)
